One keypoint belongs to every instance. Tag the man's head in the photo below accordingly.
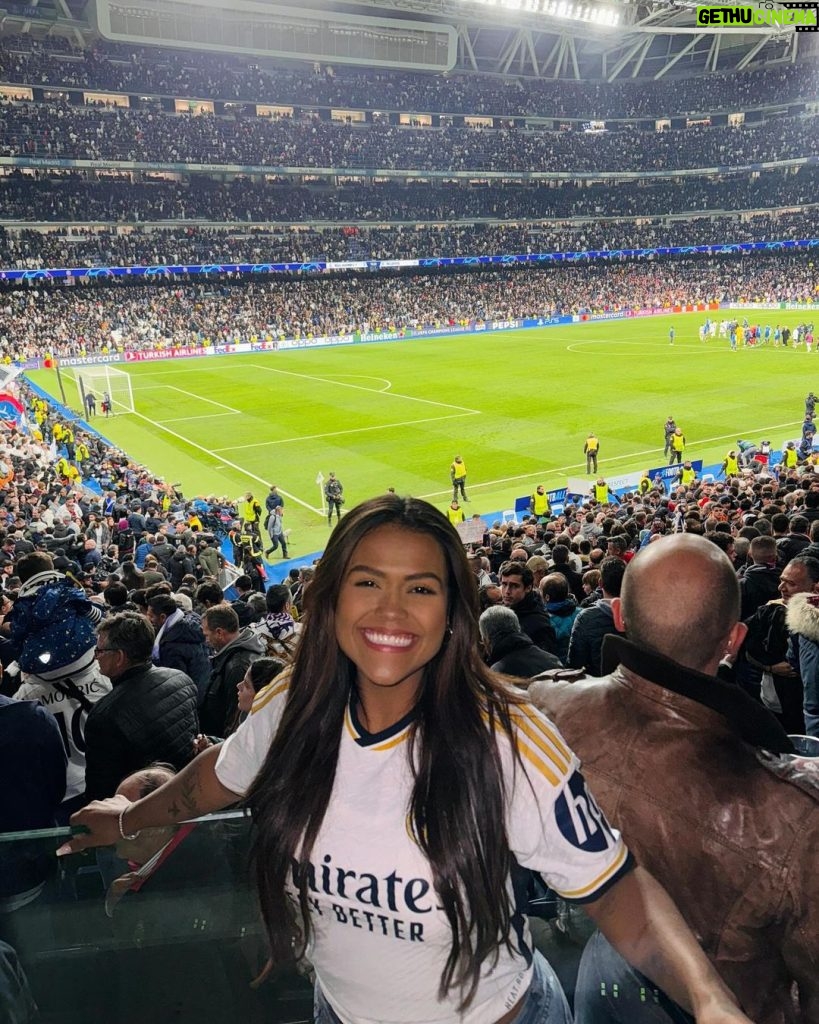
(680, 598)
(763, 551)
(554, 587)
(151, 840)
(123, 642)
(160, 607)
(277, 598)
(220, 625)
(516, 581)
(208, 594)
(800, 576)
(495, 624)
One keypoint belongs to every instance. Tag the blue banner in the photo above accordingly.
(320, 266)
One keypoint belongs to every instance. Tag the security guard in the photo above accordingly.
(590, 450)
(539, 503)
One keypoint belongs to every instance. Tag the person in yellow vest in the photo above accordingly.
(61, 467)
(82, 453)
(644, 483)
(57, 432)
(677, 447)
(457, 474)
(601, 492)
(591, 449)
(731, 465)
(455, 514)
(688, 474)
(790, 456)
(250, 512)
(539, 503)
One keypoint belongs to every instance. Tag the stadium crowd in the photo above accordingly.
(147, 71)
(30, 249)
(61, 131)
(80, 320)
(152, 663)
(72, 198)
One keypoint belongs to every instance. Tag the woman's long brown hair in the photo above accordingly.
(457, 808)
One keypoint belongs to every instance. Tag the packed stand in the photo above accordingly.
(88, 535)
(147, 71)
(70, 197)
(33, 250)
(94, 318)
(61, 131)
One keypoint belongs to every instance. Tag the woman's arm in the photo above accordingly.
(193, 792)
(640, 920)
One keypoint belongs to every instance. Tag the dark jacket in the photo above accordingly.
(590, 627)
(516, 655)
(149, 715)
(221, 702)
(535, 623)
(180, 566)
(758, 584)
(563, 614)
(789, 547)
(183, 647)
(676, 761)
(33, 770)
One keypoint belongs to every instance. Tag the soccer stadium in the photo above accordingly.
(409, 399)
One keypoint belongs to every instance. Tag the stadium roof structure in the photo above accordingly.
(596, 40)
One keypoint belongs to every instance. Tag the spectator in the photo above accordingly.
(562, 609)
(234, 650)
(508, 649)
(179, 642)
(662, 721)
(150, 715)
(517, 593)
(593, 624)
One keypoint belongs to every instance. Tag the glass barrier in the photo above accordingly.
(94, 937)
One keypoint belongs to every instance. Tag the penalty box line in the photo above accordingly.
(343, 433)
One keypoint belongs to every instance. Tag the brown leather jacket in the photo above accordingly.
(678, 764)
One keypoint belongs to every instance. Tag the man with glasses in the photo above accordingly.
(150, 715)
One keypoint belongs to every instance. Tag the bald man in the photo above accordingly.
(674, 757)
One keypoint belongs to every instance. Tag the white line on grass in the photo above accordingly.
(342, 433)
(201, 398)
(363, 376)
(762, 431)
(358, 387)
(231, 465)
(204, 416)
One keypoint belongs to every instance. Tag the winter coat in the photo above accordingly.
(181, 565)
(228, 666)
(516, 655)
(209, 560)
(562, 614)
(535, 623)
(150, 715)
(586, 640)
(758, 585)
(182, 646)
(802, 618)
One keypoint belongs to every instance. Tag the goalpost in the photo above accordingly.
(100, 381)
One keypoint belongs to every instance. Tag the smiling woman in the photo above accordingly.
(399, 787)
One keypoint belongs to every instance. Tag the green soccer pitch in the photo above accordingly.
(516, 405)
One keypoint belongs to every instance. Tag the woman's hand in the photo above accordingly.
(101, 819)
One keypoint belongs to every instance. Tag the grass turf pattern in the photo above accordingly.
(516, 405)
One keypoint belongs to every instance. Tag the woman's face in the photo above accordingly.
(391, 612)
(246, 693)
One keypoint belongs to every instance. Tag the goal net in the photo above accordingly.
(102, 381)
